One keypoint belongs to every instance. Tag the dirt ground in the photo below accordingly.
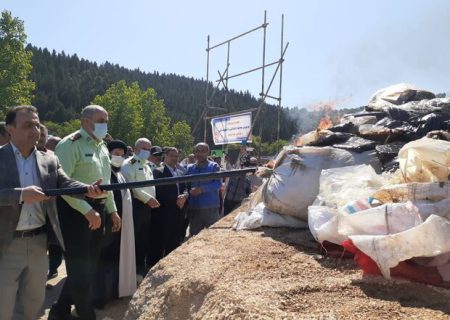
(272, 273)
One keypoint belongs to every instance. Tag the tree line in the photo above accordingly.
(162, 106)
(66, 83)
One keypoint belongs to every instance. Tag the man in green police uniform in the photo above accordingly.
(84, 157)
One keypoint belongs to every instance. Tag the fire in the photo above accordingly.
(325, 109)
(325, 123)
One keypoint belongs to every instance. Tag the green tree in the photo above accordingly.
(62, 129)
(256, 142)
(182, 137)
(267, 148)
(124, 106)
(15, 63)
(66, 83)
(274, 147)
(156, 122)
(135, 113)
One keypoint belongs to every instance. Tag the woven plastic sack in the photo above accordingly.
(294, 183)
(425, 160)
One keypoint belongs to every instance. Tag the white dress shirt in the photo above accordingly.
(32, 215)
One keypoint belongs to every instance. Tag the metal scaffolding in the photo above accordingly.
(224, 77)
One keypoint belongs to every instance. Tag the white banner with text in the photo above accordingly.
(232, 129)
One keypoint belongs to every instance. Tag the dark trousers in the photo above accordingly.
(164, 232)
(106, 283)
(141, 220)
(55, 254)
(230, 205)
(176, 226)
(82, 254)
(200, 219)
(184, 224)
(55, 251)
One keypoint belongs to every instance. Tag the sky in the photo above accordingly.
(340, 51)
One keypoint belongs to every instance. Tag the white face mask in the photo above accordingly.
(117, 161)
(144, 154)
(100, 130)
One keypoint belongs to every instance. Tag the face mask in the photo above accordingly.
(117, 161)
(144, 154)
(100, 130)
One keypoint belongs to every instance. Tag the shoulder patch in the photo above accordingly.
(133, 161)
(75, 137)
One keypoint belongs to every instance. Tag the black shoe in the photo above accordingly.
(59, 313)
(52, 274)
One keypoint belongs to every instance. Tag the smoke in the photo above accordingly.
(414, 51)
(319, 115)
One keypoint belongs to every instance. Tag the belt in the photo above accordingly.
(29, 233)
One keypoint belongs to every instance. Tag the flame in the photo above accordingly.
(325, 123)
(298, 142)
(325, 109)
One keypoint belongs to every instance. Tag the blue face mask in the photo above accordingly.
(100, 130)
(144, 154)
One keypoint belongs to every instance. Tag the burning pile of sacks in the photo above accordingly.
(394, 116)
(396, 222)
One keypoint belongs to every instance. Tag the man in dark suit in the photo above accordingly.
(169, 219)
(4, 136)
(24, 173)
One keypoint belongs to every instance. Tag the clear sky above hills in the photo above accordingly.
(339, 50)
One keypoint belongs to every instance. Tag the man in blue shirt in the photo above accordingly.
(203, 195)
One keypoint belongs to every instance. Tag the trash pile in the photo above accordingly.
(394, 217)
(292, 186)
(394, 116)
(394, 224)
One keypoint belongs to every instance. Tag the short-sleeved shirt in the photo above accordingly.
(85, 159)
(135, 169)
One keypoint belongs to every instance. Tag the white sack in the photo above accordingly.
(294, 184)
(339, 186)
(425, 160)
(260, 216)
(428, 239)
